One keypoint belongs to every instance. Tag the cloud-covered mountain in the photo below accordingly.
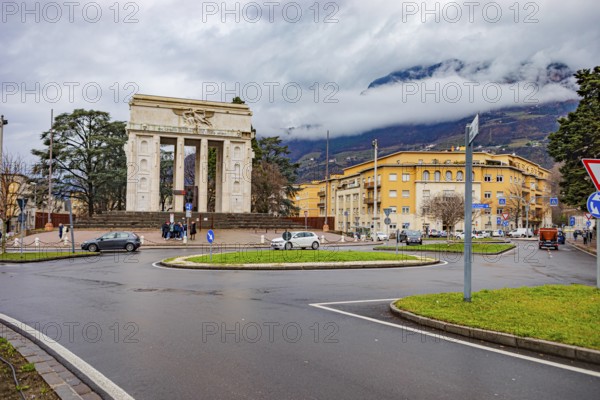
(527, 71)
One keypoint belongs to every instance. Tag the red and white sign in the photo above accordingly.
(593, 168)
(588, 216)
(505, 216)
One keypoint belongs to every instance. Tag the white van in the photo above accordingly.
(521, 233)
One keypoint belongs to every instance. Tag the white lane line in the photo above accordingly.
(94, 375)
(448, 338)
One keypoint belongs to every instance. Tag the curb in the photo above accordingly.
(301, 266)
(506, 339)
(453, 252)
(47, 259)
(65, 384)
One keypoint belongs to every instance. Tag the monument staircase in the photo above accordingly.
(133, 220)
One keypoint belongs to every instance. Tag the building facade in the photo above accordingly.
(157, 120)
(506, 184)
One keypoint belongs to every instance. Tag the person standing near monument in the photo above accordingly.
(60, 231)
(193, 231)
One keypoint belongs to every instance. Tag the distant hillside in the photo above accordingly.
(522, 130)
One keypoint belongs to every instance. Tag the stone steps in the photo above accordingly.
(128, 219)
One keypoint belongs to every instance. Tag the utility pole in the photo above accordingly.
(4, 206)
(325, 224)
(471, 131)
(49, 225)
(375, 217)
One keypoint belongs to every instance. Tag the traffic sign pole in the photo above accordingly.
(470, 133)
(597, 257)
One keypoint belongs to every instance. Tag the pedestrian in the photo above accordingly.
(193, 231)
(165, 230)
(575, 235)
(176, 231)
(60, 231)
(585, 237)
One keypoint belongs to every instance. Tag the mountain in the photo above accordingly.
(520, 129)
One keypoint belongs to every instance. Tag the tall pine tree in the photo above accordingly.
(578, 137)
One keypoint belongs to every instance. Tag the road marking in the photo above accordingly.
(86, 369)
(447, 338)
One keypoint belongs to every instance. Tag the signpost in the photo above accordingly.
(498, 220)
(572, 221)
(588, 216)
(502, 201)
(553, 201)
(480, 206)
(210, 238)
(593, 168)
(471, 132)
(22, 203)
(505, 216)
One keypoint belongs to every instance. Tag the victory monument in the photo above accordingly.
(157, 120)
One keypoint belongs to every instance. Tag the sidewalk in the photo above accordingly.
(589, 248)
(153, 238)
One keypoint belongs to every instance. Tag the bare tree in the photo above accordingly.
(515, 202)
(13, 185)
(449, 208)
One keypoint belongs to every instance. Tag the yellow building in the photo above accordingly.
(506, 183)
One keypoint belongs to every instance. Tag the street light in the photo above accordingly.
(375, 147)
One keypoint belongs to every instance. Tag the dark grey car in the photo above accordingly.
(113, 241)
(411, 237)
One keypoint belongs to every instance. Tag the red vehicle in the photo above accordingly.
(548, 238)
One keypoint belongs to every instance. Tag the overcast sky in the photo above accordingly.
(297, 64)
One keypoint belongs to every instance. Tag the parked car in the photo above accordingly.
(461, 235)
(113, 241)
(434, 233)
(410, 237)
(301, 239)
(443, 234)
(498, 233)
(380, 236)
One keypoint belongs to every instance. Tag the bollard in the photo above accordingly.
(322, 238)
(262, 239)
(66, 243)
(342, 238)
(184, 239)
(355, 238)
(142, 239)
(17, 243)
(37, 242)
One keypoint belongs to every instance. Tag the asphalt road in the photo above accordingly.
(176, 334)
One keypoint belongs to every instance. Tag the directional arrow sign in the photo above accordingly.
(593, 204)
(593, 168)
(210, 236)
(474, 129)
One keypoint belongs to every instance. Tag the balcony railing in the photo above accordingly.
(371, 200)
(371, 185)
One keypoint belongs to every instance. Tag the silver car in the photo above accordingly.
(302, 240)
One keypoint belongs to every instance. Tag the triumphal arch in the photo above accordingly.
(185, 123)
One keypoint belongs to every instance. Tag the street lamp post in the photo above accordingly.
(375, 147)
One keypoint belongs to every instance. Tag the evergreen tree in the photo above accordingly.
(578, 137)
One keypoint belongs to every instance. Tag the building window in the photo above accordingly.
(487, 195)
(448, 176)
(511, 179)
(425, 175)
(393, 194)
(406, 193)
(393, 177)
(459, 176)
(448, 193)
(499, 211)
(405, 177)
(437, 176)
(394, 209)
(499, 178)
(488, 211)
(499, 194)
(405, 210)
(487, 178)
(426, 194)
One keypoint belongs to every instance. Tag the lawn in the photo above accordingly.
(297, 256)
(478, 248)
(39, 256)
(559, 313)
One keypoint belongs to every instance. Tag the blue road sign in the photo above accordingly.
(588, 223)
(210, 236)
(188, 206)
(593, 204)
(498, 220)
(553, 201)
(476, 205)
(572, 221)
(501, 201)
(505, 223)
